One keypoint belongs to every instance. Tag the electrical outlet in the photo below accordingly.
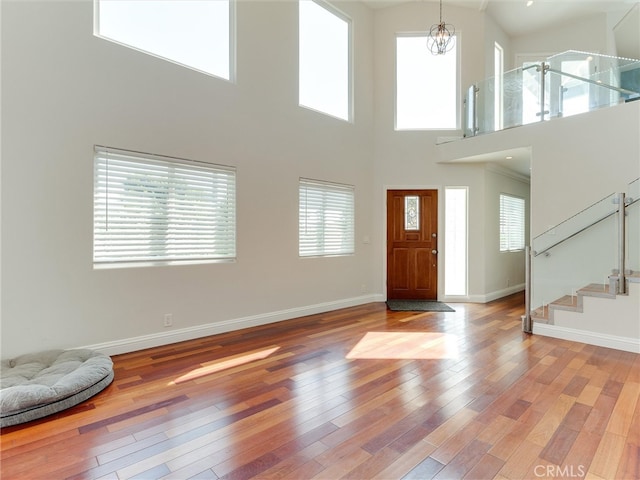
(168, 319)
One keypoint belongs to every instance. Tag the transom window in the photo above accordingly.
(426, 85)
(324, 59)
(512, 221)
(151, 208)
(326, 220)
(192, 33)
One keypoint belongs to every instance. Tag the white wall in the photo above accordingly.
(493, 34)
(0, 180)
(504, 271)
(407, 159)
(587, 34)
(575, 161)
(625, 30)
(64, 91)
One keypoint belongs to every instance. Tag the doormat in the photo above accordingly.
(418, 306)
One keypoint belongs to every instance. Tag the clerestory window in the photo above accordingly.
(194, 33)
(426, 85)
(324, 59)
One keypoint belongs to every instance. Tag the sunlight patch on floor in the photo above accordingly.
(406, 345)
(225, 363)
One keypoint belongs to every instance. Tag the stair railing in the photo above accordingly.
(579, 225)
(622, 253)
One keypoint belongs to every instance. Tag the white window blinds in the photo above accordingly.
(150, 208)
(326, 218)
(512, 218)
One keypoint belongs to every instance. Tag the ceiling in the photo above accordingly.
(516, 18)
(517, 160)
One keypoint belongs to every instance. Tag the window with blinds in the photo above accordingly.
(151, 208)
(512, 218)
(326, 218)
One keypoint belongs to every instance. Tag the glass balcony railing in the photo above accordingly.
(565, 84)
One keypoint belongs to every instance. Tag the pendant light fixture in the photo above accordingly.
(441, 35)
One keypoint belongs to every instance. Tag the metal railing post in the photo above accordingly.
(476, 127)
(526, 318)
(543, 73)
(622, 284)
(471, 111)
(561, 92)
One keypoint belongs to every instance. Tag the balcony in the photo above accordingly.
(563, 85)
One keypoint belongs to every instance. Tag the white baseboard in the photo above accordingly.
(164, 338)
(456, 299)
(487, 297)
(626, 344)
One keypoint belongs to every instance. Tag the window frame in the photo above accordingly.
(322, 248)
(350, 58)
(508, 238)
(159, 211)
(459, 245)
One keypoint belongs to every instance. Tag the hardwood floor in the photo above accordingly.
(359, 393)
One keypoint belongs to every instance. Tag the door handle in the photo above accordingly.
(434, 251)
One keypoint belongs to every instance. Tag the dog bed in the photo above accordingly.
(39, 384)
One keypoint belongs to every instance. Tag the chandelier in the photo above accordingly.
(440, 39)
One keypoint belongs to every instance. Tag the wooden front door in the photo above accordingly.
(412, 243)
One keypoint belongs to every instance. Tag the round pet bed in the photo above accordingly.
(39, 384)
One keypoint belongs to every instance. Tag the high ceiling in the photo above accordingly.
(517, 19)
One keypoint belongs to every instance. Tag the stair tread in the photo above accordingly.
(634, 276)
(597, 290)
(595, 287)
(540, 315)
(566, 301)
(569, 302)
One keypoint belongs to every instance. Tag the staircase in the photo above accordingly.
(605, 314)
(576, 303)
(595, 315)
